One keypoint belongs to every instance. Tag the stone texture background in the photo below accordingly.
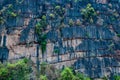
(92, 49)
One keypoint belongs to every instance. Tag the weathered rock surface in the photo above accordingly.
(90, 49)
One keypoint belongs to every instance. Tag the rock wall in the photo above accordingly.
(91, 48)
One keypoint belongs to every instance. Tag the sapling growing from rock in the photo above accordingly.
(88, 13)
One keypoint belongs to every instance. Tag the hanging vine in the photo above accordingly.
(41, 36)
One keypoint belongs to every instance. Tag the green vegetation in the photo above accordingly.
(71, 23)
(43, 43)
(118, 35)
(1, 20)
(56, 51)
(10, 11)
(117, 77)
(39, 28)
(43, 67)
(21, 71)
(82, 77)
(87, 35)
(52, 16)
(7, 12)
(43, 77)
(57, 7)
(59, 11)
(16, 71)
(88, 13)
(12, 14)
(67, 74)
(49, 72)
(44, 18)
(105, 78)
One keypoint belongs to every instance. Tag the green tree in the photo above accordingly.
(71, 22)
(67, 74)
(88, 13)
(16, 71)
(81, 76)
(117, 77)
(43, 77)
(41, 37)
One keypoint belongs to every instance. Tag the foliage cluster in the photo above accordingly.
(117, 77)
(1, 20)
(67, 74)
(49, 72)
(88, 13)
(21, 70)
(39, 28)
(7, 12)
(71, 22)
(118, 35)
(16, 71)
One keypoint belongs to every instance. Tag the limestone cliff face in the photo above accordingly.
(91, 48)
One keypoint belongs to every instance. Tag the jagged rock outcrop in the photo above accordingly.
(90, 48)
